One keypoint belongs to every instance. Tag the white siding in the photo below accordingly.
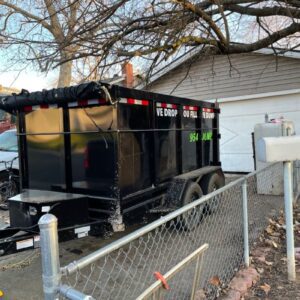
(222, 76)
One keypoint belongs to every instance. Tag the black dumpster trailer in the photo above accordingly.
(95, 153)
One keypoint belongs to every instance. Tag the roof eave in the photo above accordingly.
(185, 57)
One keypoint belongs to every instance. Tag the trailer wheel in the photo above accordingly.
(191, 219)
(209, 184)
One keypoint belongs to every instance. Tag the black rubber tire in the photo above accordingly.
(191, 219)
(210, 183)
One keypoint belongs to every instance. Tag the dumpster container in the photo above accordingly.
(113, 148)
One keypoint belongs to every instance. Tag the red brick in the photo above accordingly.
(253, 273)
(239, 285)
(248, 280)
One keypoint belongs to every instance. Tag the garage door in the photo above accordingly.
(237, 121)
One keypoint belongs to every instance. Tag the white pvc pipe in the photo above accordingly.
(288, 203)
(245, 224)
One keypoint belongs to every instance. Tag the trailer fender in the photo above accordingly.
(175, 192)
(198, 174)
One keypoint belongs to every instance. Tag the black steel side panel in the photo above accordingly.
(207, 137)
(94, 150)
(134, 140)
(191, 145)
(166, 143)
(45, 148)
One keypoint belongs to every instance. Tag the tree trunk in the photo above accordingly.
(65, 74)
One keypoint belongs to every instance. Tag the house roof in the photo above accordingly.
(194, 51)
(120, 80)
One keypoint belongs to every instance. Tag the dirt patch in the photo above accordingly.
(269, 259)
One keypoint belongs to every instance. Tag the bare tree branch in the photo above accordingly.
(99, 34)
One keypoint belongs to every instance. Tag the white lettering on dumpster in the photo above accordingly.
(166, 112)
(190, 114)
(208, 115)
(170, 112)
(159, 112)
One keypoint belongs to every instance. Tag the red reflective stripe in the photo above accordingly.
(130, 101)
(208, 110)
(101, 101)
(135, 102)
(166, 105)
(27, 108)
(70, 104)
(191, 108)
(83, 102)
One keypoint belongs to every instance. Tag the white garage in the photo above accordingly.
(237, 122)
(247, 88)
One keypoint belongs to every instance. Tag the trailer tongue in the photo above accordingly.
(95, 153)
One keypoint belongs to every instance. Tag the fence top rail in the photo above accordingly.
(91, 258)
(260, 170)
(157, 284)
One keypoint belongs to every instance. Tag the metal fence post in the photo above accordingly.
(288, 205)
(245, 223)
(50, 256)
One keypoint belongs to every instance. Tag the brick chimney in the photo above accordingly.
(127, 72)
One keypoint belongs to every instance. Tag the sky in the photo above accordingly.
(29, 80)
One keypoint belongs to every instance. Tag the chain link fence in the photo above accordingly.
(125, 268)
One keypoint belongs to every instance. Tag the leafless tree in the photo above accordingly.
(147, 32)
(43, 31)
(158, 30)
